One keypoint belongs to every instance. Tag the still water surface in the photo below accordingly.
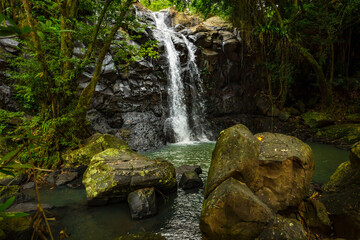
(178, 218)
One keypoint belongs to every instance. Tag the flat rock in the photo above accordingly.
(113, 174)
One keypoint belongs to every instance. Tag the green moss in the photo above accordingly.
(335, 180)
(317, 119)
(354, 118)
(343, 133)
(7, 192)
(94, 145)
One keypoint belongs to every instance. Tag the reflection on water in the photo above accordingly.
(178, 218)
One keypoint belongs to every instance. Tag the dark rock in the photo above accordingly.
(65, 177)
(179, 27)
(77, 183)
(186, 168)
(281, 228)
(190, 180)
(146, 130)
(232, 49)
(316, 216)
(113, 174)
(51, 178)
(284, 116)
(142, 203)
(203, 40)
(27, 207)
(28, 185)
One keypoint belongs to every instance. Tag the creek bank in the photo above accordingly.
(256, 177)
(342, 197)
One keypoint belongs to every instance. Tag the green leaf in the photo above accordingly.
(7, 204)
(17, 165)
(6, 32)
(6, 172)
(8, 156)
(26, 30)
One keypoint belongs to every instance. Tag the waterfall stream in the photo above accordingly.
(186, 127)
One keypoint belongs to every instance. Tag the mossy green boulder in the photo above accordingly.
(235, 153)
(7, 192)
(93, 145)
(339, 176)
(342, 134)
(20, 177)
(317, 119)
(355, 155)
(251, 178)
(114, 173)
(16, 228)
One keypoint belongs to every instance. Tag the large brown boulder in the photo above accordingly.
(233, 211)
(113, 174)
(235, 155)
(286, 167)
(262, 174)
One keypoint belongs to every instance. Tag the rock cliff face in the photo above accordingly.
(132, 101)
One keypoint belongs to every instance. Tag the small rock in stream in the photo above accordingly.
(190, 180)
(142, 203)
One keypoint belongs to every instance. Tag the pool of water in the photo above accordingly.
(178, 217)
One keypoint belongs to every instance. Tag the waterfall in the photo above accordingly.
(179, 119)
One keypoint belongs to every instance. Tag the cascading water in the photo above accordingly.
(179, 119)
(178, 113)
(197, 104)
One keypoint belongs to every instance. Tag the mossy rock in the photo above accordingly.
(338, 177)
(19, 178)
(236, 153)
(344, 134)
(355, 155)
(114, 173)
(92, 146)
(142, 236)
(317, 119)
(7, 192)
(16, 228)
(353, 118)
(281, 228)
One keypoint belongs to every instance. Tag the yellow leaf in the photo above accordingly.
(260, 138)
(41, 74)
